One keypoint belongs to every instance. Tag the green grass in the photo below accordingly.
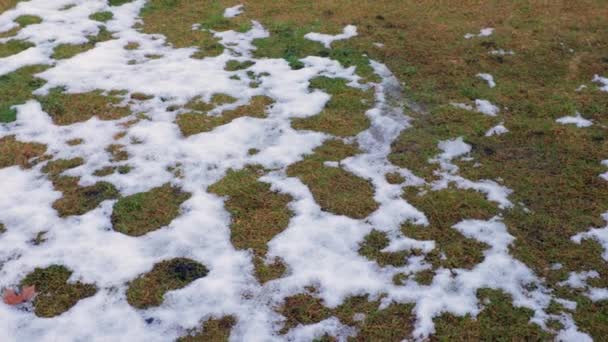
(78, 200)
(102, 16)
(68, 108)
(144, 212)
(344, 114)
(148, 290)
(26, 20)
(16, 88)
(196, 122)
(13, 47)
(234, 65)
(56, 167)
(258, 214)
(64, 51)
(372, 246)
(333, 188)
(55, 295)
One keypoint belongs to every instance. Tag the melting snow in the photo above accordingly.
(488, 78)
(484, 32)
(501, 52)
(577, 120)
(319, 248)
(598, 234)
(234, 11)
(497, 130)
(486, 107)
(603, 81)
(326, 39)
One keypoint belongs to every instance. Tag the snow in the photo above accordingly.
(327, 39)
(604, 175)
(501, 52)
(598, 234)
(234, 11)
(488, 78)
(577, 120)
(486, 107)
(320, 249)
(484, 32)
(497, 130)
(601, 80)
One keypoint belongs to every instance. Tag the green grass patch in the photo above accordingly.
(16, 88)
(333, 188)
(67, 109)
(102, 16)
(26, 20)
(55, 295)
(194, 123)
(234, 65)
(212, 330)
(56, 167)
(144, 212)
(119, 2)
(78, 200)
(64, 51)
(148, 290)
(373, 244)
(258, 214)
(344, 114)
(13, 47)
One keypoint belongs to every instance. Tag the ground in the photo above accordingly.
(257, 170)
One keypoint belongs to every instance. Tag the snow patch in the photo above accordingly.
(601, 80)
(488, 78)
(484, 32)
(577, 120)
(233, 11)
(486, 107)
(497, 130)
(327, 39)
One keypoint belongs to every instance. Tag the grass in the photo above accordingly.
(344, 114)
(333, 188)
(212, 330)
(16, 88)
(14, 152)
(13, 47)
(258, 214)
(141, 213)
(148, 290)
(194, 123)
(78, 200)
(66, 108)
(102, 16)
(64, 51)
(372, 246)
(234, 65)
(56, 167)
(26, 20)
(55, 295)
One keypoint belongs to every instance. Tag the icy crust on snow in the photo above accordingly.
(348, 32)
(319, 249)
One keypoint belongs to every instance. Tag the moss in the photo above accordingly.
(234, 65)
(67, 108)
(193, 123)
(55, 295)
(212, 330)
(56, 167)
(498, 321)
(13, 47)
(26, 20)
(445, 208)
(258, 214)
(64, 51)
(102, 16)
(334, 189)
(144, 212)
(16, 88)
(344, 114)
(372, 247)
(148, 289)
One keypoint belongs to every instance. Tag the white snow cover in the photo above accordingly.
(577, 120)
(602, 80)
(319, 248)
(326, 39)
(598, 234)
(497, 130)
(486, 107)
(488, 78)
(234, 11)
(484, 32)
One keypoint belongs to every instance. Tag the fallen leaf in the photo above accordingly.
(10, 297)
